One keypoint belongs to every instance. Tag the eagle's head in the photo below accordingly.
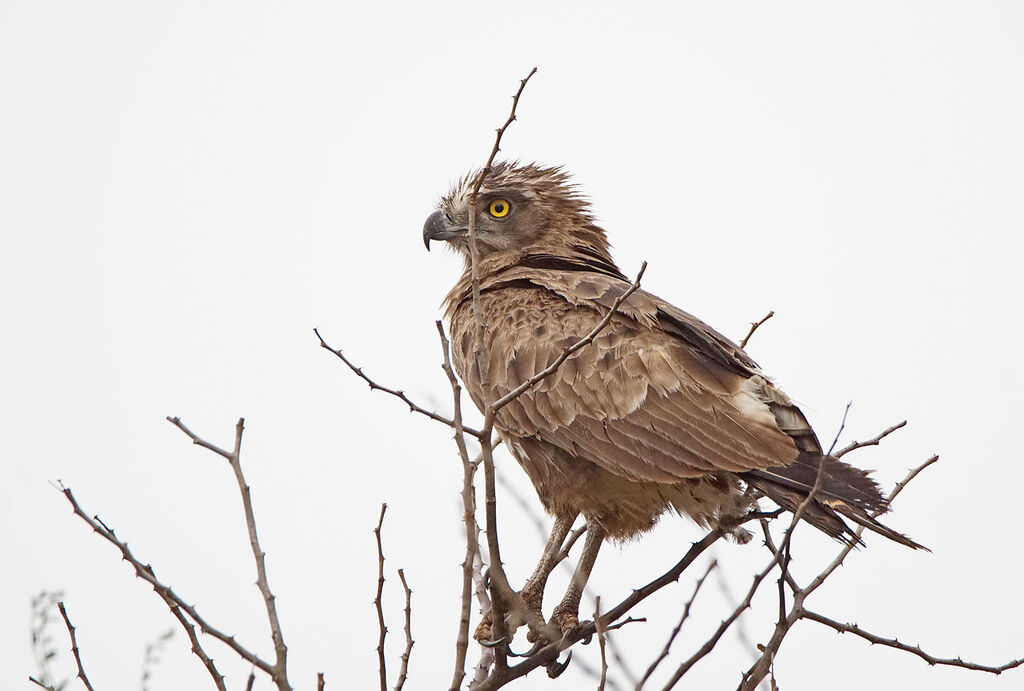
(520, 209)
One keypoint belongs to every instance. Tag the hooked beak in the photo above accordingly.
(439, 227)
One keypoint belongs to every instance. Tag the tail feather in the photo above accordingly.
(844, 491)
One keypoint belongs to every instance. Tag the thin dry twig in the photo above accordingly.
(378, 604)
(675, 632)
(397, 393)
(74, 646)
(41, 684)
(754, 327)
(279, 671)
(403, 672)
(870, 442)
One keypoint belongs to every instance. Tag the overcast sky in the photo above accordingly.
(187, 189)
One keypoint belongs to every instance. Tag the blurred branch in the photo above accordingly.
(149, 658)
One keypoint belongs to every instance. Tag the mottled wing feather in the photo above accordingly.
(642, 400)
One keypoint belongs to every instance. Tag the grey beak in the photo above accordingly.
(433, 228)
(439, 227)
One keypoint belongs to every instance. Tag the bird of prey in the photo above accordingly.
(660, 412)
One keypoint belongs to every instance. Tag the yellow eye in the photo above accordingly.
(499, 208)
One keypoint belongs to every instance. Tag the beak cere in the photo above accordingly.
(435, 228)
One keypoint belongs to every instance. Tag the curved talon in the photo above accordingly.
(529, 653)
(495, 644)
(586, 639)
(556, 668)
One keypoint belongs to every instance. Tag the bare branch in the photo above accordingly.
(374, 386)
(675, 632)
(171, 598)
(754, 327)
(895, 643)
(870, 442)
(468, 516)
(41, 684)
(279, 672)
(74, 646)
(403, 672)
(320, 683)
(377, 602)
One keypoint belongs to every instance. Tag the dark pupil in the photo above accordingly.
(499, 208)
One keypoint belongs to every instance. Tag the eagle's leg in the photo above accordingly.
(566, 614)
(533, 590)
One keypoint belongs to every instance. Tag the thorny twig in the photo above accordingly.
(382, 629)
(403, 672)
(74, 646)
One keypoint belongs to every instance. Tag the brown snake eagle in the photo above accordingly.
(661, 412)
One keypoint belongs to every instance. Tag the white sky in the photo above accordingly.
(187, 189)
